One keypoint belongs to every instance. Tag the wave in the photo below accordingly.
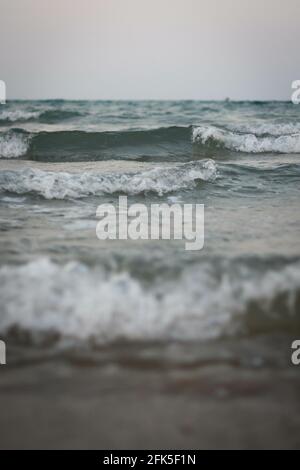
(266, 129)
(63, 185)
(214, 138)
(44, 116)
(78, 145)
(169, 142)
(18, 115)
(206, 301)
(14, 144)
(141, 178)
(53, 115)
(166, 143)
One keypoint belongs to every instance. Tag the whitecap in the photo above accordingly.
(79, 302)
(13, 144)
(248, 143)
(63, 185)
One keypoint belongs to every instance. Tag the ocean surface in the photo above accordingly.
(62, 289)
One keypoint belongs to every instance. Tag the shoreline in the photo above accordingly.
(137, 402)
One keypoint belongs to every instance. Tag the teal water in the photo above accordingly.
(59, 160)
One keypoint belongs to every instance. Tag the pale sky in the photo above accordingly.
(149, 49)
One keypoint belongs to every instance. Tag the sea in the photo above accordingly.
(60, 159)
(216, 322)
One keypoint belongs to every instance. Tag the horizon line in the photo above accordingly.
(225, 100)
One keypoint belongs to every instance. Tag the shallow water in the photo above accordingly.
(59, 160)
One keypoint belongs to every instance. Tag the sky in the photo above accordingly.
(149, 49)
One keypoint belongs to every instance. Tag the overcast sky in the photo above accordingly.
(149, 49)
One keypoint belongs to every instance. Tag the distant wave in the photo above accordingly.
(62, 185)
(44, 116)
(55, 115)
(214, 138)
(209, 300)
(266, 129)
(18, 115)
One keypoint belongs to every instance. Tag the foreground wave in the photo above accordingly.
(63, 185)
(209, 300)
(223, 179)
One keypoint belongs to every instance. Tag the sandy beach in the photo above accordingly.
(141, 399)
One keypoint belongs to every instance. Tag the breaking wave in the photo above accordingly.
(63, 185)
(266, 129)
(14, 144)
(165, 143)
(205, 301)
(213, 138)
(169, 142)
(18, 115)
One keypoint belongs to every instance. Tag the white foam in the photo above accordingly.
(62, 185)
(13, 145)
(80, 302)
(270, 128)
(249, 143)
(19, 115)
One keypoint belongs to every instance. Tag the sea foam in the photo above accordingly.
(19, 115)
(63, 185)
(13, 144)
(215, 137)
(206, 301)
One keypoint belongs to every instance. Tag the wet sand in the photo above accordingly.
(86, 403)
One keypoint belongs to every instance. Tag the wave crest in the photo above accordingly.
(213, 138)
(18, 115)
(43, 115)
(13, 144)
(265, 129)
(62, 185)
(206, 301)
